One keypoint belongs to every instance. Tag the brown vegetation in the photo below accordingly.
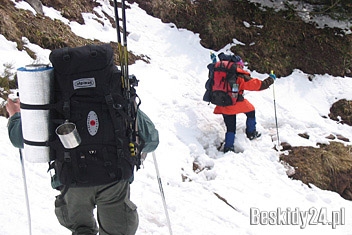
(274, 40)
(342, 111)
(328, 167)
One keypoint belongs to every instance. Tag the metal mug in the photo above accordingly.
(68, 135)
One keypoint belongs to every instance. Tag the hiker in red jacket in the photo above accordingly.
(245, 82)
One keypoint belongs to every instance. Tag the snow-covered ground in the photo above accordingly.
(247, 192)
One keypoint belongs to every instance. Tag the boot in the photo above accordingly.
(229, 149)
(251, 130)
(229, 142)
(253, 135)
(250, 125)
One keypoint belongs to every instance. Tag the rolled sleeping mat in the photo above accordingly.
(35, 83)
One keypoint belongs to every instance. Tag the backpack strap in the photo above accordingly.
(66, 109)
(108, 164)
(65, 187)
(117, 125)
(222, 67)
(36, 106)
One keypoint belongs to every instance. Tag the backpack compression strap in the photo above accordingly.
(37, 107)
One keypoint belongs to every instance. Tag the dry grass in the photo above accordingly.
(328, 167)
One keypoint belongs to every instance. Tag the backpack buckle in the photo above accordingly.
(67, 157)
(66, 109)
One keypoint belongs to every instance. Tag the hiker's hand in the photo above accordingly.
(269, 81)
(266, 83)
(13, 107)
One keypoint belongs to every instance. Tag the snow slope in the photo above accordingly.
(247, 192)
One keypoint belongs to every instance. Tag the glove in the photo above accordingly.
(266, 83)
(272, 75)
(213, 57)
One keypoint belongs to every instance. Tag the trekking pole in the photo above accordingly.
(123, 53)
(162, 193)
(125, 78)
(117, 21)
(277, 128)
(26, 193)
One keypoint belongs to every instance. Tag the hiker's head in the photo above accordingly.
(239, 61)
(240, 64)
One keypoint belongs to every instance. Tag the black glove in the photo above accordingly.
(266, 83)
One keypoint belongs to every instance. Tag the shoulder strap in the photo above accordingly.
(223, 66)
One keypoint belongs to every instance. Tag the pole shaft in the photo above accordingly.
(117, 22)
(26, 193)
(124, 35)
(277, 128)
(162, 193)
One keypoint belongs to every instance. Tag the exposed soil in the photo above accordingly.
(48, 33)
(328, 167)
(341, 111)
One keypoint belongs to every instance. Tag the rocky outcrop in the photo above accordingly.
(37, 6)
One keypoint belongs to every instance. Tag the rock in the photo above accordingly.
(331, 137)
(37, 6)
(340, 137)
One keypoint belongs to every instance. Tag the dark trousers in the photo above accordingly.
(116, 213)
(230, 123)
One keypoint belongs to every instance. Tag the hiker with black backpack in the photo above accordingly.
(225, 86)
(97, 171)
(116, 213)
(82, 116)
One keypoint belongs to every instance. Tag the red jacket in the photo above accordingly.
(245, 82)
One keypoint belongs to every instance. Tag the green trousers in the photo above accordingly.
(116, 214)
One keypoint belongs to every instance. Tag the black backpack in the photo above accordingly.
(221, 87)
(89, 93)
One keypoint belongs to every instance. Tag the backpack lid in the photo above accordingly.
(87, 58)
(233, 58)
